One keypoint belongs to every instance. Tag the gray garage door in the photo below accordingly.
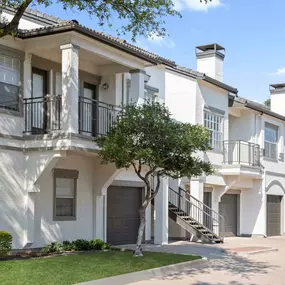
(274, 215)
(123, 204)
(228, 207)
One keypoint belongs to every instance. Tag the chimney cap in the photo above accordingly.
(210, 50)
(208, 47)
(277, 86)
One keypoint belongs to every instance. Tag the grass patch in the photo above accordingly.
(68, 270)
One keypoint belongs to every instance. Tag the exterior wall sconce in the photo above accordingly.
(105, 86)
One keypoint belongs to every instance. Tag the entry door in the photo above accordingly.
(39, 107)
(89, 110)
(208, 212)
(274, 215)
(228, 208)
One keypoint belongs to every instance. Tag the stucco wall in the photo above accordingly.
(243, 127)
(157, 79)
(24, 23)
(253, 210)
(13, 197)
(180, 96)
(47, 230)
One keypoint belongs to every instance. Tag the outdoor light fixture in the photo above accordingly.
(105, 86)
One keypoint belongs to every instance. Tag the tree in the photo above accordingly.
(267, 102)
(147, 139)
(140, 17)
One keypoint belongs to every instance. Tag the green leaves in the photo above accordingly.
(147, 135)
(138, 17)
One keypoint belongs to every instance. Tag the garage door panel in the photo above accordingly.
(273, 215)
(123, 219)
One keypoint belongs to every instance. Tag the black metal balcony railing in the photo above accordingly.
(42, 114)
(95, 117)
(241, 152)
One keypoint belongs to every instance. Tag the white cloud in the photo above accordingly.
(279, 71)
(196, 5)
(162, 41)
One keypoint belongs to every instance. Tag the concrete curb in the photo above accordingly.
(148, 274)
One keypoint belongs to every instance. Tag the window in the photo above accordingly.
(270, 141)
(10, 71)
(214, 123)
(65, 186)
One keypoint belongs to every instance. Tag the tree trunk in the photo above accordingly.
(12, 26)
(138, 250)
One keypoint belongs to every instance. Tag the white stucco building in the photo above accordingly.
(60, 84)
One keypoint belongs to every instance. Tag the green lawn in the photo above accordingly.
(67, 270)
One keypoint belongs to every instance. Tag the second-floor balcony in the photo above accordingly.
(44, 115)
(241, 158)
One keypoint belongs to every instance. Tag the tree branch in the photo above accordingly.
(13, 25)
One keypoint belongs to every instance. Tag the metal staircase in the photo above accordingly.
(195, 217)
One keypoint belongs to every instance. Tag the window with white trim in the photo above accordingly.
(10, 78)
(270, 141)
(214, 123)
(65, 184)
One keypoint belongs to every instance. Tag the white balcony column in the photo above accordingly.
(70, 88)
(27, 75)
(197, 191)
(161, 213)
(137, 85)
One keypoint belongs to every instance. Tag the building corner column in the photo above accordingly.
(70, 87)
(137, 85)
(161, 213)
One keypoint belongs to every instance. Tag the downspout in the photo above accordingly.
(263, 184)
(123, 89)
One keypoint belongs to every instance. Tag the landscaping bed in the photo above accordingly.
(76, 268)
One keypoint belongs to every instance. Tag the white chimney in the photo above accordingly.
(277, 98)
(210, 60)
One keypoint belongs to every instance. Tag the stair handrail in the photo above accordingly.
(219, 219)
(201, 203)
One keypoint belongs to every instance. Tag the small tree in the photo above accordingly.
(267, 102)
(147, 139)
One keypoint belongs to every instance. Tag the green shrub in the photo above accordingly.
(68, 245)
(97, 244)
(82, 245)
(5, 243)
(54, 247)
(106, 246)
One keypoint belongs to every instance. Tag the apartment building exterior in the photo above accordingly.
(61, 85)
(248, 146)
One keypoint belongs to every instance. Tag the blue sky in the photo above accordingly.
(252, 31)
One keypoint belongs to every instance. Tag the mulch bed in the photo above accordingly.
(29, 254)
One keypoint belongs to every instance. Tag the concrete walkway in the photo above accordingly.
(226, 267)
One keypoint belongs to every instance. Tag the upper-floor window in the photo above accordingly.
(270, 141)
(10, 73)
(214, 123)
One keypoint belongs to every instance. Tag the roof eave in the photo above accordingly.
(264, 111)
(84, 31)
(220, 84)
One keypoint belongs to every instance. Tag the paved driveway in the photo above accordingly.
(225, 268)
